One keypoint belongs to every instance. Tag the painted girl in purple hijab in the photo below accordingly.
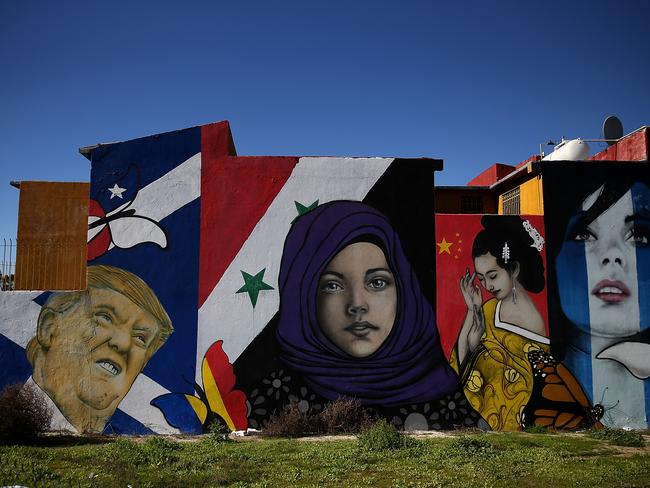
(354, 323)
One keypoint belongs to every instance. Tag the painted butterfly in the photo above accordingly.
(115, 222)
(557, 400)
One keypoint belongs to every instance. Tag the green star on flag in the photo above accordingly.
(253, 285)
(303, 209)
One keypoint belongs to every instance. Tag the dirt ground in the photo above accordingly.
(56, 438)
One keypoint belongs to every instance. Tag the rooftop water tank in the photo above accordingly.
(569, 150)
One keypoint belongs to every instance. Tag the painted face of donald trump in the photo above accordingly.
(91, 345)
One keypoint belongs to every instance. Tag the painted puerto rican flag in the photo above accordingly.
(144, 217)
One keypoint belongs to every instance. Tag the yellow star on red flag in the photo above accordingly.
(444, 246)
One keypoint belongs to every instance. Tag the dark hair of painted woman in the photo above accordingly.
(522, 257)
(495, 336)
(507, 263)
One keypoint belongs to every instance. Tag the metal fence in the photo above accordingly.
(8, 264)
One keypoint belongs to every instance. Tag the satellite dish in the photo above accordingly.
(612, 129)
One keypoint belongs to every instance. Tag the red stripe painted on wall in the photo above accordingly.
(235, 194)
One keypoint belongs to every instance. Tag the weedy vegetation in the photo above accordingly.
(342, 416)
(345, 415)
(292, 422)
(383, 436)
(380, 457)
(619, 437)
(23, 414)
(536, 429)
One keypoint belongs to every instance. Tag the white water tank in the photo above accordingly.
(569, 150)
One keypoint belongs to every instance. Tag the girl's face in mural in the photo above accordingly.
(493, 277)
(357, 299)
(610, 247)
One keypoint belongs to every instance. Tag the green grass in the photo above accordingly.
(467, 460)
(383, 436)
(619, 437)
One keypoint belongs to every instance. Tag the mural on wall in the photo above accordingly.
(92, 352)
(557, 399)
(600, 272)
(148, 191)
(305, 279)
(113, 219)
(353, 322)
(217, 240)
(492, 312)
(214, 403)
(90, 346)
(491, 303)
(269, 206)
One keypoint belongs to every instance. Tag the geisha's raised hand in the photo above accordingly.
(475, 332)
(473, 326)
(471, 292)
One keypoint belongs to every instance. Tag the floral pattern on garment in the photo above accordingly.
(498, 378)
(283, 387)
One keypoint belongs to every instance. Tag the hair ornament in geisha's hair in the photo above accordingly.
(505, 254)
(538, 240)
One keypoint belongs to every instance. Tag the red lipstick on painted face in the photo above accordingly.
(611, 291)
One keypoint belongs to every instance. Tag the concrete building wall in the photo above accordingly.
(222, 288)
(491, 175)
(531, 197)
(633, 147)
(464, 200)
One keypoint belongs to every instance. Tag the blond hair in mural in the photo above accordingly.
(116, 279)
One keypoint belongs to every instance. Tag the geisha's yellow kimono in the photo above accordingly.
(498, 378)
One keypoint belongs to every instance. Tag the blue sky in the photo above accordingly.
(471, 82)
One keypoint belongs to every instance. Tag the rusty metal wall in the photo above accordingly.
(52, 230)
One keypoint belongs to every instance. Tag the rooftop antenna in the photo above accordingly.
(612, 130)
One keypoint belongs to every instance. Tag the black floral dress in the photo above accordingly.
(283, 387)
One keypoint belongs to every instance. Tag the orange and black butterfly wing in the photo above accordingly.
(557, 400)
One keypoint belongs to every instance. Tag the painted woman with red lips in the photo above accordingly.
(603, 277)
(495, 337)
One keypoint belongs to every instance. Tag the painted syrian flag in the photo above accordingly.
(247, 207)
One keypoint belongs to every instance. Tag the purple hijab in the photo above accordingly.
(409, 367)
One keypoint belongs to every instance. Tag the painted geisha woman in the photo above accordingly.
(354, 323)
(491, 352)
